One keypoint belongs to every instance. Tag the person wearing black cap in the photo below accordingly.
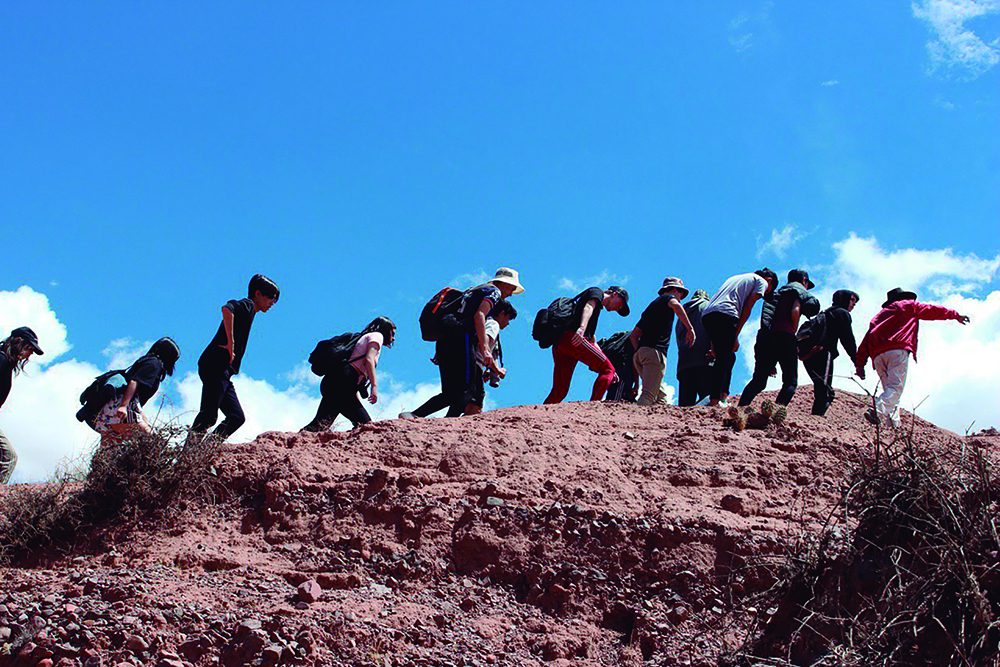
(221, 359)
(14, 353)
(724, 317)
(776, 344)
(837, 327)
(123, 413)
(579, 343)
(889, 343)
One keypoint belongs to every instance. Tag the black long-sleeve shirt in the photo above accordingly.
(839, 328)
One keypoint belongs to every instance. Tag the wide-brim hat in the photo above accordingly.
(508, 277)
(898, 294)
(623, 293)
(674, 283)
(28, 336)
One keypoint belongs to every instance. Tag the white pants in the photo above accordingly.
(891, 367)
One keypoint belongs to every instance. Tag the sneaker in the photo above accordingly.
(407, 415)
(871, 416)
(723, 404)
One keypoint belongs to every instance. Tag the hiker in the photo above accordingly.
(651, 338)
(836, 326)
(221, 359)
(14, 353)
(462, 336)
(345, 383)
(890, 341)
(694, 362)
(776, 343)
(498, 320)
(724, 317)
(619, 351)
(122, 413)
(577, 342)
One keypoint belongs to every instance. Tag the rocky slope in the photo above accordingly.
(574, 534)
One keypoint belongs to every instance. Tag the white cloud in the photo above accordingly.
(957, 364)
(747, 29)
(956, 47)
(466, 280)
(779, 243)
(26, 307)
(830, 82)
(603, 279)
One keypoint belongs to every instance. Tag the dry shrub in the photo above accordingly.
(133, 478)
(911, 575)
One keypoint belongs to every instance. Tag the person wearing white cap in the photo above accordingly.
(651, 338)
(14, 353)
(457, 350)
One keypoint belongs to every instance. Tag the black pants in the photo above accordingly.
(218, 393)
(621, 390)
(820, 369)
(339, 390)
(773, 349)
(721, 330)
(693, 384)
(457, 365)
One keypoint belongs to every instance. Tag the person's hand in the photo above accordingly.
(122, 413)
(736, 346)
(690, 338)
(860, 371)
(616, 379)
(373, 395)
(964, 319)
(500, 373)
(228, 347)
(579, 332)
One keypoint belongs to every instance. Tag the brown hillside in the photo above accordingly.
(575, 534)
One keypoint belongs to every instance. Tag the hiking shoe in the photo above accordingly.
(407, 415)
(871, 416)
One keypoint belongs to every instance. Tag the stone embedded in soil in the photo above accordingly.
(309, 591)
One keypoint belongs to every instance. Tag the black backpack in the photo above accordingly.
(333, 353)
(97, 395)
(618, 349)
(811, 335)
(440, 314)
(552, 322)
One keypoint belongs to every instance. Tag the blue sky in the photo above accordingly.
(366, 154)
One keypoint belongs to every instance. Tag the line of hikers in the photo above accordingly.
(465, 327)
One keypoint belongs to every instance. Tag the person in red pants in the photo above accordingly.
(579, 344)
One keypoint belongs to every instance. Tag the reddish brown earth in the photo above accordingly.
(577, 534)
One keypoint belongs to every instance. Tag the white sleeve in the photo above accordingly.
(492, 333)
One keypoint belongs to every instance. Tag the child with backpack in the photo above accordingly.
(571, 324)
(15, 350)
(457, 325)
(499, 318)
(776, 339)
(891, 341)
(122, 412)
(817, 340)
(350, 374)
(222, 358)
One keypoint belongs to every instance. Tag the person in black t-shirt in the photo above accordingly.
(123, 413)
(651, 338)
(457, 349)
(579, 344)
(221, 359)
(14, 353)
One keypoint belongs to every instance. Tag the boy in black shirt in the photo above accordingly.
(819, 365)
(221, 359)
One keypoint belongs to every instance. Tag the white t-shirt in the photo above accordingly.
(361, 349)
(734, 293)
(492, 335)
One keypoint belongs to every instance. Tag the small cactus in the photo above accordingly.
(739, 421)
(767, 407)
(779, 416)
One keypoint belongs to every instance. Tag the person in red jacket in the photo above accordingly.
(889, 343)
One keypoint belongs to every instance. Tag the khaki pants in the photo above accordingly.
(650, 365)
(8, 459)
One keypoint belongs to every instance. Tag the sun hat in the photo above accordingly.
(700, 294)
(674, 283)
(800, 276)
(620, 291)
(28, 336)
(508, 277)
(898, 294)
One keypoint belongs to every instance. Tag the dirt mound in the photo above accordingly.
(574, 534)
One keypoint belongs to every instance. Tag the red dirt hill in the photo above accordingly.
(583, 533)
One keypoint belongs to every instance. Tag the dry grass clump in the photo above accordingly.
(130, 479)
(917, 580)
